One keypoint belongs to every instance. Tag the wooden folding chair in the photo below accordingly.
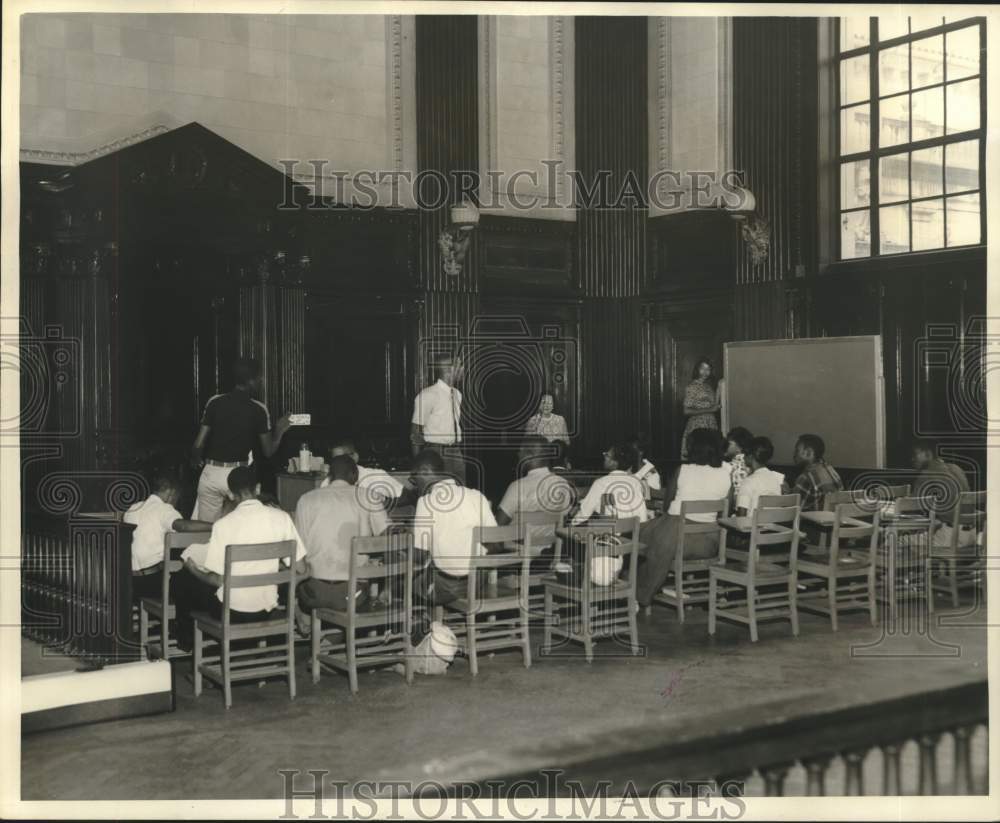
(962, 562)
(542, 526)
(160, 609)
(690, 575)
(502, 599)
(771, 528)
(378, 635)
(228, 665)
(901, 564)
(848, 570)
(594, 611)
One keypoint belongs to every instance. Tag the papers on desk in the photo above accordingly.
(198, 552)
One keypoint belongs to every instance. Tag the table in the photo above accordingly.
(292, 486)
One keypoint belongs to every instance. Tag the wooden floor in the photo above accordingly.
(457, 727)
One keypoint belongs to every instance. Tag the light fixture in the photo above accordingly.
(455, 237)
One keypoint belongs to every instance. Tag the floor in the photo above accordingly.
(454, 727)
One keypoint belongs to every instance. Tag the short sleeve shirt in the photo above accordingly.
(152, 519)
(236, 421)
(438, 410)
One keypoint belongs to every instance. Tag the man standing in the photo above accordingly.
(232, 425)
(436, 415)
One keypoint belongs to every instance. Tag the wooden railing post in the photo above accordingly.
(891, 779)
(928, 764)
(963, 764)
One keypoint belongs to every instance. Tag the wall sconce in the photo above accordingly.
(754, 229)
(455, 237)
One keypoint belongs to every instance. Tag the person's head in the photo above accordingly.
(535, 452)
(922, 452)
(641, 446)
(738, 441)
(428, 468)
(546, 404)
(561, 455)
(448, 368)
(246, 374)
(345, 446)
(703, 369)
(620, 457)
(704, 448)
(343, 467)
(760, 452)
(809, 449)
(243, 484)
(165, 484)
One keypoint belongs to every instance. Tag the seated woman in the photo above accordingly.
(547, 423)
(702, 477)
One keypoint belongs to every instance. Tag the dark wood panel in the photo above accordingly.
(518, 253)
(696, 250)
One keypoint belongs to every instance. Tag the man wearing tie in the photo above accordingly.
(436, 415)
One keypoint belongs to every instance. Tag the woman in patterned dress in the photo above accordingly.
(547, 424)
(701, 402)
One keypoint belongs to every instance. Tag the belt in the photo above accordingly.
(442, 445)
(220, 465)
(148, 570)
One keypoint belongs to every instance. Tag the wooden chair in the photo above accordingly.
(901, 561)
(766, 501)
(960, 564)
(886, 494)
(543, 526)
(228, 665)
(771, 527)
(501, 599)
(849, 571)
(160, 609)
(595, 611)
(657, 505)
(691, 575)
(385, 632)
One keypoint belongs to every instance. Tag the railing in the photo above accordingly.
(759, 750)
(76, 585)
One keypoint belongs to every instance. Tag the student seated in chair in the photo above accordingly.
(627, 493)
(199, 585)
(153, 518)
(379, 486)
(327, 519)
(944, 482)
(645, 470)
(538, 489)
(816, 477)
(761, 480)
(737, 445)
(703, 476)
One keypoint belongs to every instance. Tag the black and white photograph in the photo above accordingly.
(469, 410)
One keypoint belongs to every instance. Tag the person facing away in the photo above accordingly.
(153, 518)
(547, 423)
(328, 519)
(378, 486)
(645, 471)
(627, 494)
(445, 516)
(232, 426)
(539, 489)
(199, 585)
(817, 478)
(761, 481)
(944, 482)
(702, 477)
(737, 445)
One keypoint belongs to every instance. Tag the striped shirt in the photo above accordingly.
(815, 482)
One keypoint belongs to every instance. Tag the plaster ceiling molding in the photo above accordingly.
(72, 151)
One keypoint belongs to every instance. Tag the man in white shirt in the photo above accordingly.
(376, 486)
(761, 481)
(627, 493)
(443, 522)
(437, 411)
(539, 490)
(328, 519)
(199, 585)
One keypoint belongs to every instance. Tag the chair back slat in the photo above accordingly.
(175, 542)
(244, 552)
(393, 572)
(253, 581)
(256, 552)
(869, 521)
(778, 501)
(764, 516)
(717, 507)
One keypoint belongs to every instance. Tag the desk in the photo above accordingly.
(292, 486)
(825, 520)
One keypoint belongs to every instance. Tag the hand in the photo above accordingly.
(284, 423)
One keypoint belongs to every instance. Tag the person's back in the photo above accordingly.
(443, 522)
(696, 482)
(153, 518)
(940, 478)
(817, 478)
(237, 420)
(762, 480)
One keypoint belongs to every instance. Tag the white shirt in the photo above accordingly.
(627, 492)
(700, 483)
(761, 482)
(648, 474)
(152, 519)
(328, 519)
(443, 523)
(377, 484)
(438, 410)
(250, 522)
(538, 491)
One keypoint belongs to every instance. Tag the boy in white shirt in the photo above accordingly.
(627, 493)
(761, 480)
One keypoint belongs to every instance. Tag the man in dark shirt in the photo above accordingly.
(817, 478)
(938, 479)
(232, 425)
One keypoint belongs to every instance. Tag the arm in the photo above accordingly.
(204, 575)
(183, 525)
(198, 447)
(270, 441)
(503, 519)
(416, 438)
(670, 492)
(590, 503)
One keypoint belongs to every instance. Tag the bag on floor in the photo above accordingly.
(435, 652)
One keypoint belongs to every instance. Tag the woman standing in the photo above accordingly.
(701, 402)
(549, 425)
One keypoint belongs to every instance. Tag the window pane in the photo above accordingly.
(925, 174)
(894, 25)
(963, 53)
(928, 113)
(855, 184)
(963, 220)
(855, 129)
(855, 235)
(963, 106)
(962, 170)
(893, 178)
(894, 69)
(854, 80)
(927, 61)
(853, 32)
(894, 229)
(894, 121)
(928, 225)
(919, 22)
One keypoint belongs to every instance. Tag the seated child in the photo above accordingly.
(816, 476)
(645, 472)
(737, 445)
(761, 480)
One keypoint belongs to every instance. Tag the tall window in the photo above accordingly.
(912, 134)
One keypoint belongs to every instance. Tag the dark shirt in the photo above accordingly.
(942, 481)
(236, 421)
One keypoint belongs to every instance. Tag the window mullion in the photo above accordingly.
(873, 144)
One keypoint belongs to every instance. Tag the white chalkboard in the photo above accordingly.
(830, 386)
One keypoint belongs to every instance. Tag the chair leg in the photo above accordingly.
(227, 683)
(314, 644)
(588, 640)
(550, 614)
(291, 663)
(793, 604)
(633, 629)
(679, 588)
(470, 643)
(872, 609)
(144, 628)
(713, 585)
(352, 660)
(752, 611)
(953, 577)
(197, 660)
(525, 639)
(831, 597)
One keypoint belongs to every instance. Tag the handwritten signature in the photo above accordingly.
(667, 692)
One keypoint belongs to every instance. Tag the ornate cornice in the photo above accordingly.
(73, 155)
